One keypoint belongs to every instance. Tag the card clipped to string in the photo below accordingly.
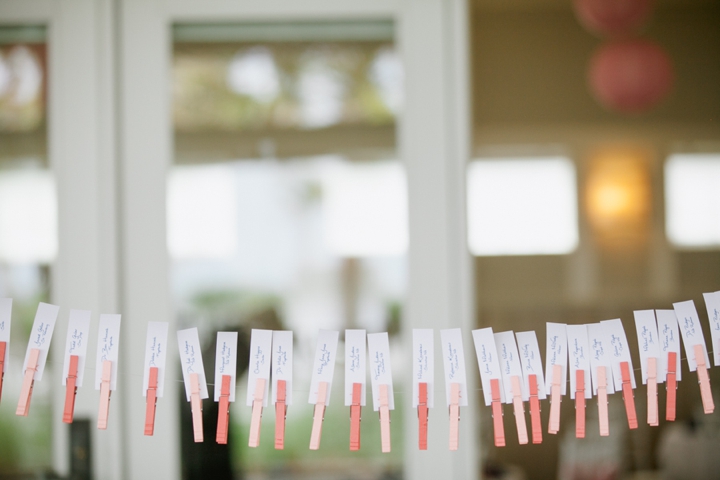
(601, 372)
(193, 371)
(258, 380)
(649, 349)
(355, 380)
(533, 378)
(491, 378)
(382, 385)
(73, 372)
(621, 363)
(669, 362)
(556, 361)
(5, 321)
(106, 363)
(321, 381)
(456, 393)
(281, 375)
(423, 379)
(36, 353)
(579, 368)
(695, 349)
(154, 370)
(712, 304)
(511, 371)
(225, 380)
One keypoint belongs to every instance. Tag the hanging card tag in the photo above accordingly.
(556, 354)
(191, 361)
(454, 363)
(619, 351)
(355, 364)
(259, 366)
(531, 361)
(40, 336)
(579, 356)
(226, 363)
(488, 364)
(380, 371)
(691, 331)
(155, 355)
(600, 348)
(648, 344)
(282, 363)
(5, 320)
(509, 364)
(107, 348)
(669, 335)
(76, 344)
(324, 365)
(423, 358)
(712, 303)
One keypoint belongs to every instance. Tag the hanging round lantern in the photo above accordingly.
(613, 17)
(630, 76)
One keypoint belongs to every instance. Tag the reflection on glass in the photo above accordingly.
(22, 105)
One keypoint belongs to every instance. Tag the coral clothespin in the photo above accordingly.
(555, 399)
(3, 348)
(223, 425)
(71, 389)
(355, 415)
(652, 399)
(535, 420)
(519, 410)
(454, 416)
(151, 401)
(196, 407)
(318, 416)
(384, 418)
(579, 403)
(280, 414)
(603, 402)
(703, 379)
(104, 408)
(497, 413)
(27, 386)
(628, 395)
(422, 415)
(256, 412)
(671, 387)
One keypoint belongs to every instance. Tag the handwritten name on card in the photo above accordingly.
(226, 363)
(530, 360)
(324, 364)
(454, 363)
(487, 357)
(258, 366)
(423, 363)
(556, 354)
(648, 343)
(712, 304)
(579, 358)
(191, 360)
(509, 363)
(690, 331)
(155, 355)
(41, 335)
(669, 335)
(76, 343)
(355, 363)
(282, 363)
(619, 351)
(107, 348)
(599, 342)
(380, 370)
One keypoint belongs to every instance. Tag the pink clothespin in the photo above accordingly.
(535, 409)
(318, 416)
(3, 347)
(519, 410)
(70, 389)
(196, 406)
(671, 387)
(704, 379)
(384, 418)
(104, 409)
(151, 401)
(422, 415)
(454, 415)
(497, 413)
(555, 399)
(628, 395)
(603, 402)
(579, 403)
(280, 414)
(652, 399)
(256, 412)
(26, 391)
(223, 424)
(355, 415)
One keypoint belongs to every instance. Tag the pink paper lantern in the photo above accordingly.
(613, 17)
(630, 76)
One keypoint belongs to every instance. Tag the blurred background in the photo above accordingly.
(329, 165)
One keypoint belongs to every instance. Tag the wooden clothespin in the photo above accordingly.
(355, 415)
(519, 410)
(652, 399)
(3, 348)
(671, 387)
(704, 379)
(104, 409)
(223, 425)
(71, 389)
(196, 407)
(318, 416)
(603, 402)
(628, 395)
(454, 415)
(535, 420)
(280, 414)
(27, 386)
(422, 415)
(497, 413)
(151, 401)
(256, 413)
(579, 403)
(384, 418)
(555, 399)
